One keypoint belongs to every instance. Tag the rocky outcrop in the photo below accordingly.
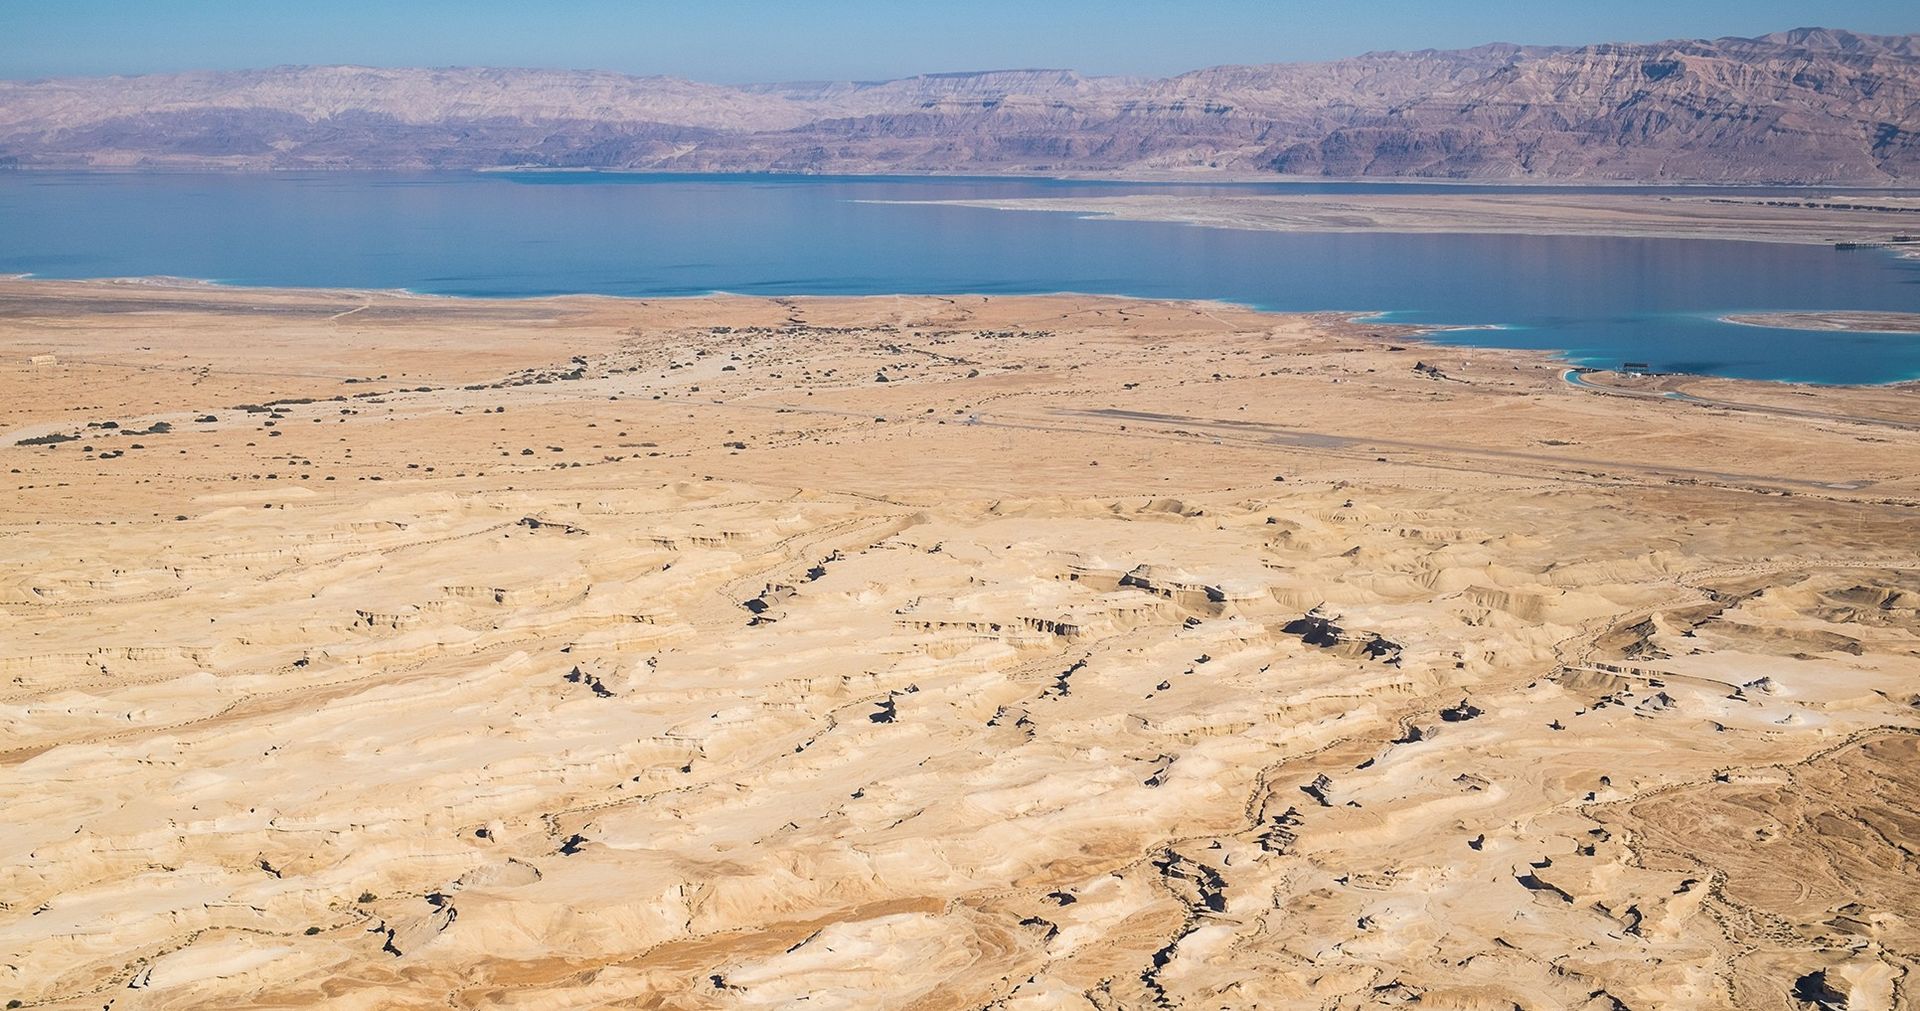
(1811, 105)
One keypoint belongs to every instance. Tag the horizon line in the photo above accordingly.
(1553, 47)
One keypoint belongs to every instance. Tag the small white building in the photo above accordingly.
(43, 360)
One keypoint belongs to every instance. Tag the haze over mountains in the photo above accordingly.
(1807, 106)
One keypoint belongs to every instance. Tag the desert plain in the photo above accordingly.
(366, 650)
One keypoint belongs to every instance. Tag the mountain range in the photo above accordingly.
(1817, 106)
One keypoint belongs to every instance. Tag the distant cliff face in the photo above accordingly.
(1812, 106)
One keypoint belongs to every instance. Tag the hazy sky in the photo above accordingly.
(766, 40)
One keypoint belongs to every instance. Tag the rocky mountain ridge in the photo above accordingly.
(1813, 105)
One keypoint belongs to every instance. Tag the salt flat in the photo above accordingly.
(364, 650)
(1815, 218)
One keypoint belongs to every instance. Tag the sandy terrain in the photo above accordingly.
(1815, 219)
(1859, 322)
(369, 651)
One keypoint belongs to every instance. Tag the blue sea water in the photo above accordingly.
(1597, 301)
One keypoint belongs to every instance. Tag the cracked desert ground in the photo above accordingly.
(598, 653)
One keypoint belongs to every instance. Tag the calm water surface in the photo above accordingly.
(1596, 300)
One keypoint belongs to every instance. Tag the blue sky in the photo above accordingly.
(764, 40)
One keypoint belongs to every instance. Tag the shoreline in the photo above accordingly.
(1837, 321)
(1408, 331)
(352, 316)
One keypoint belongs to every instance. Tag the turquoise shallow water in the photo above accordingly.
(1598, 301)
